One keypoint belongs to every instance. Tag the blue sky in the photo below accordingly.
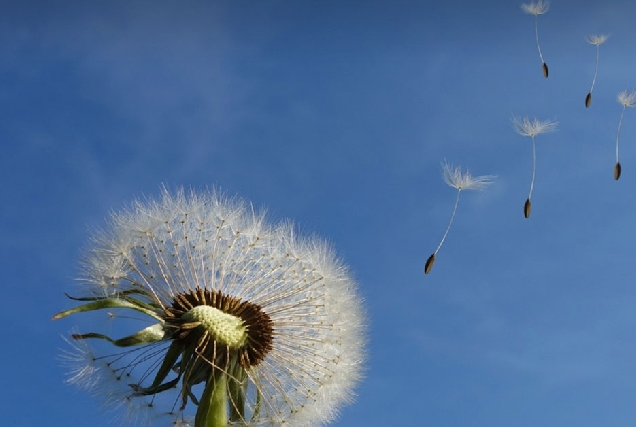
(337, 116)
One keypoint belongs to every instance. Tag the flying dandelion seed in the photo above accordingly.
(526, 127)
(537, 8)
(454, 177)
(626, 99)
(597, 40)
(246, 323)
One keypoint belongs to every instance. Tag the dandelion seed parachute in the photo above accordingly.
(531, 128)
(596, 40)
(250, 325)
(537, 8)
(454, 177)
(626, 99)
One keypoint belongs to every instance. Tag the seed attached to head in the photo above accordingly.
(617, 171)
(527, 207)
(545, 70)
(588, 99)
(429, 264)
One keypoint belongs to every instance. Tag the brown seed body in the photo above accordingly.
(527, 207)
(429, 264)
(588, 100)
(617, 171)
(545, 70)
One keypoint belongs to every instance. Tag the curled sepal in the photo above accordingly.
(147, 335)
(429, 264)
(108, 303)
(134, 291)
(169, 362)
(617, 171)
(545, 70)
(527, 207)
(588, 100)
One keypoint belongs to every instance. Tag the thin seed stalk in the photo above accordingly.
(618, 132)
(588, 98)
(544, 66)
(431, 259)
(534, 167)
(449, 223)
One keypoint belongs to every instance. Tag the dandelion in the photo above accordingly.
(597, 40)
(537, 8)
(526, 127)
(626, 99)
(454, 177)
(242, 322)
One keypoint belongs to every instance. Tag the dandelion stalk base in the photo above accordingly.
(212, 410)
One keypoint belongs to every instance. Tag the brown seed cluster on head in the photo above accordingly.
(258, 326)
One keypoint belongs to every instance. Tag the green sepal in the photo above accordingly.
(147, 335)
(135, 291)
(108, 303)
(192, 370)
(146, 391)
(148, 306)
(169, 361)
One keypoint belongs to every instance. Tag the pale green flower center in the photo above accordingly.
(224, 328)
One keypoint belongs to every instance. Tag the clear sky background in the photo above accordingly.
(337, 115)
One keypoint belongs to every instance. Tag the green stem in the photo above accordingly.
(212, 410)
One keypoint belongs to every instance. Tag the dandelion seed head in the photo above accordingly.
(627, 98)
(277, 314)
(536, 7)
(597, 39)
(533, 127)
(456, 178)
